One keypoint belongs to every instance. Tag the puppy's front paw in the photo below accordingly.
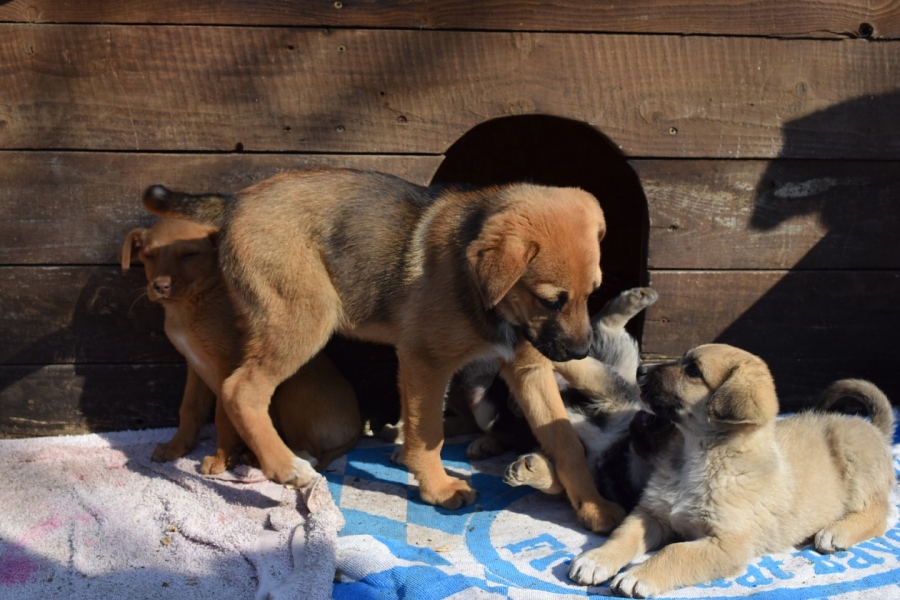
(170, 451)
(590, 569)
(534, 470)
(485, 446)
(303, 473)
(627, 584)
(397, 455)
(215, 464)
(600, 518)
(453, 494)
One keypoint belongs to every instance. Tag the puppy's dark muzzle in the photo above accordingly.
(642, 372)
(654, 395)
(561, 352)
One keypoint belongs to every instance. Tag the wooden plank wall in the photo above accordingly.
(765, 136)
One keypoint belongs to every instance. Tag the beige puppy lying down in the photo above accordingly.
(738, 484)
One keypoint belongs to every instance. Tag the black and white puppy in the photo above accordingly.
(602, 399)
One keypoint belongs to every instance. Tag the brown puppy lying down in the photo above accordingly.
(315, 410)
(446, 276)
(739, 484)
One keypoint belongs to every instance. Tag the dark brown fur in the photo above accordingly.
(445, 276)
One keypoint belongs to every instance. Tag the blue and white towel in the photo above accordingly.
(517, 543)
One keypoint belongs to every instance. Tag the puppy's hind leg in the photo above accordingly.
(533, 470)
(613, 345)
(228, 445)
(622, 308)
(853, 528)
(283, 331)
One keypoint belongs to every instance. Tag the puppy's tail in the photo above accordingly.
(881, 413)
(209, 209)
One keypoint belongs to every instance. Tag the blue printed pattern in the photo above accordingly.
(517, 543)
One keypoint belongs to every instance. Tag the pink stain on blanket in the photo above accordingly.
(40, 531)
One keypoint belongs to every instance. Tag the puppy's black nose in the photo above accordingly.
(162, 286)
(577, 353)
(642, 370)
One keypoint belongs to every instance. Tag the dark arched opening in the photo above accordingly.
(554, 151)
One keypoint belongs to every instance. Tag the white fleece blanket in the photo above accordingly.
(92, 517)
(88, 517)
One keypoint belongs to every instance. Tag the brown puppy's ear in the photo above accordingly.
(747, 397)
(133, 242)
(497, 264)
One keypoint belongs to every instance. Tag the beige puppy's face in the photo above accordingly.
(537, 264)
(179, 258)
(712, 387)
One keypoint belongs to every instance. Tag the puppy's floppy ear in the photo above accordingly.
(133, 242)
(497, 263)
(747, 396)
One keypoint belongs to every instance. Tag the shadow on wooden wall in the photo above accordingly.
(834, 313)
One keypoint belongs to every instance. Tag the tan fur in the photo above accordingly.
(739, 484)
(443, 275)
(315, 410)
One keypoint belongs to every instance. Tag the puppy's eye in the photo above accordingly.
(188, 255)
(148, 256)
(555, 304)
(692, 370)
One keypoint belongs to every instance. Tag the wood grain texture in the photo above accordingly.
(74, 399)
(76, 208)
(776, 18)
(79, 314)
(69, 399)
(772, 215)
(371, 91)
(812, 327)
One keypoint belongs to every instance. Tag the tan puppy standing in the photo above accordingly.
(180, 261)
(739, 484)
(445, 276)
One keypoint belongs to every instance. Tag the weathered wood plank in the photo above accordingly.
(73, 399)
(812, 327)
(775, 18)
(373, 91)
(837, 321)
(67, 208)
(79, 314)
(68, 399)
(772, 215)
(76, 208)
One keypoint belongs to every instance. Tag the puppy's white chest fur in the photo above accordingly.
(680, 493)
(196, 356)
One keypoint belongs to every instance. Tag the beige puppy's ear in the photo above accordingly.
(133, 242)
(747, 397)
(497, 263)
